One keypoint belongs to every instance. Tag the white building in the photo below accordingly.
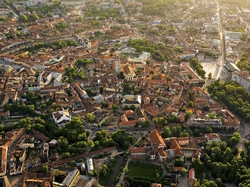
(90, 164)
(243, 78)
(4, 11)
(233, 35)
(54, 60)
(61, 117)
(162, 155)
(212, 137)
(205, 122)
(73, 3)
(141, 60)
(33, 2)
(26, 144)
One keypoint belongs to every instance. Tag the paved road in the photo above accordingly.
(115, 171)
(184, 181)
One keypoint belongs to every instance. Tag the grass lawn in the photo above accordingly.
(140, 169)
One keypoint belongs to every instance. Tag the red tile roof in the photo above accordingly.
(176, 147)
(191, 177)
(134, 150)
(162, 152)
(156, 138)
(156, 185)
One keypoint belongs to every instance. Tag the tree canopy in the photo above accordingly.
(233, 96)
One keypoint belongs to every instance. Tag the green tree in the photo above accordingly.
(190, 104)
(57, 172)
(126, 170)
(206, 108)
(75, 123)
(208, 129)
(44, 169)
(35, 16)
(103, 170)
(115, 106)
(219, 182)
(168, 78)
(178, 161)
(101, 90)
(183, 172)
(91, 144)
(235, 138)
(198, 165)
(188, 114)
(72, 163)
(184, 133)
(166, 132)
(210, 75)
(24, 17)
(209, 184)
(196, 133)
(233, 141)
(90, 117)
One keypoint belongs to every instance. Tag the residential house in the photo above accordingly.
(62, 99)
(5, 100)
(162, 155)
(61, 117)
(212, 137)
(229, 119)
(98, 99)
(156, 185)
(53, 143)
(128, 119)
(200, 140)
(196, 155)
(5, 114)
(82, 93)
(131, 100)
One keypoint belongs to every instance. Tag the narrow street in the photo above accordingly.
(115, 171)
